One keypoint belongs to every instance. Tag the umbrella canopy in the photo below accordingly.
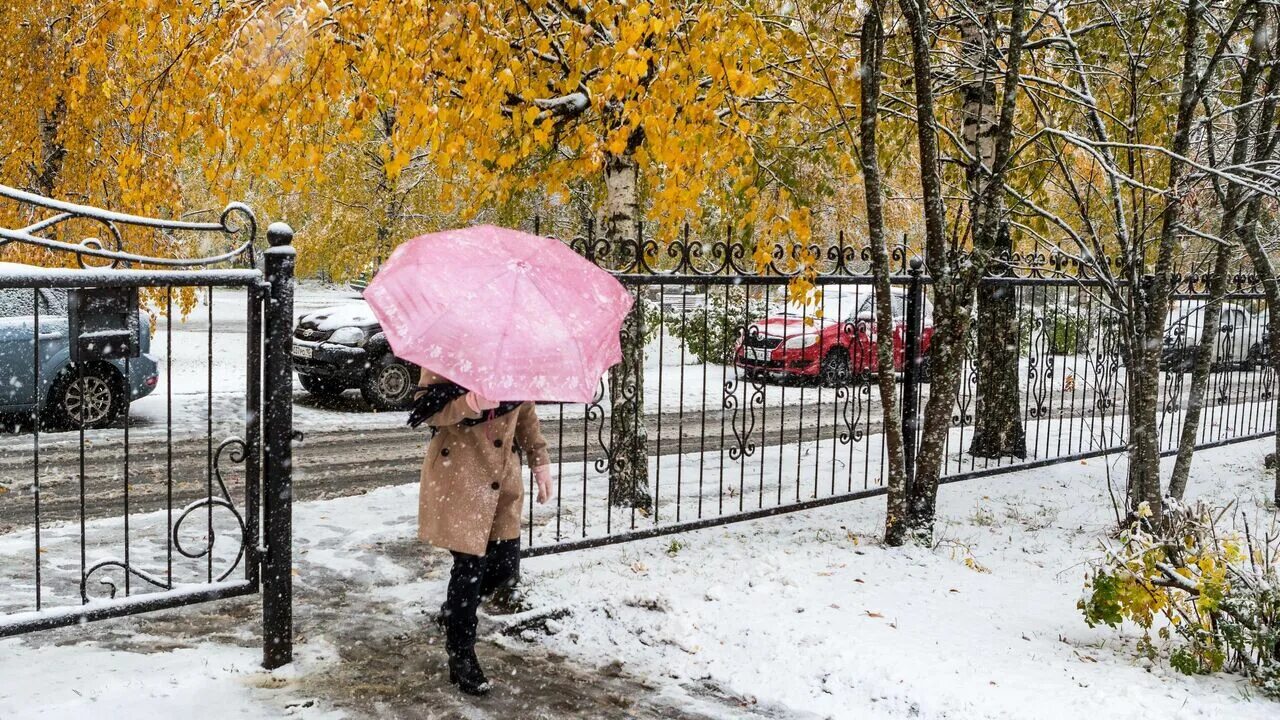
(510, 315)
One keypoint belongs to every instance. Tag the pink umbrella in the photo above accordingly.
(510, 315)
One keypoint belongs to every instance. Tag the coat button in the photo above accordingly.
(495, 486)
(444, 452)
(497, 443)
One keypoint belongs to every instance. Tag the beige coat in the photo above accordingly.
(472, 487)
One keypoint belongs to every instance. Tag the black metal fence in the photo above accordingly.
(757, 403)
(133, 462)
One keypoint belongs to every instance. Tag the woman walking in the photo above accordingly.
(469, 503)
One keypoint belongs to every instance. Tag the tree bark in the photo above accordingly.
(915, 522)
(872, 42)
(954, 283)
(998, 430)
(628, 435)
(44, 179)
(1232, 200)
(1201, 370)
(1267, 136)
(1149, 300)
(1143, 372)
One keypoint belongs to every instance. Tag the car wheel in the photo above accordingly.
(835, 370)
(924, 370)
(389, 384)
(90, 399)
(321, 387)
(1253, 359)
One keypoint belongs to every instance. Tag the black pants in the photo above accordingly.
(474, 577)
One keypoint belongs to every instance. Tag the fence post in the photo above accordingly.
(277, 456)
(911, 366)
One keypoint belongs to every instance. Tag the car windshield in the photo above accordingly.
(54, 301)
(899, 306)
(834, 304)
(17, 302)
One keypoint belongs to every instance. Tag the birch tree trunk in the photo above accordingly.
(1202, 368)
(1143, 372)
(44, 179)
(1270, 281)
(628, 434)
(998, 430)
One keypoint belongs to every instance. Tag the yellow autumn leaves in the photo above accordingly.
(338, 111)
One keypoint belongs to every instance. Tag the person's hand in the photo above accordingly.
(542, 474)
(479, 403)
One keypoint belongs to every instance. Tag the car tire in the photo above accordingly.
(1254, 359)
(321, 387)
(100, 384)
(924, 370)
(389, 384)
(835, 370)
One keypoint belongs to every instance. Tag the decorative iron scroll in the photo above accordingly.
(236, 451)
(1040, 366)
(964, 404)
(728, 255)
(734, 253)
(743, 422)
(236, 223)
(594, 412)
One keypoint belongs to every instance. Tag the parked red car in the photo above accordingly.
(792, 341)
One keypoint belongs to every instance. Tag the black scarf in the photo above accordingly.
(436, 395)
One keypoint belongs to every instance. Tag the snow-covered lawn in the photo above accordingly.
(804, 615)
(809, 612)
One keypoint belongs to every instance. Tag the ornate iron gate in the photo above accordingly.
(133, 482)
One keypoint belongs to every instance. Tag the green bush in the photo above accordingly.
(711, 334)
(1065, 332)
(652, 319)
(1212, 592)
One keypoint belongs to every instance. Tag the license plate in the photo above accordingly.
(303, 351)
(761, 354)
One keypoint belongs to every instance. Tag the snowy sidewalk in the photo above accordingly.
(804, 615)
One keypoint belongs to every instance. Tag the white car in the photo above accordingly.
(1239, 334)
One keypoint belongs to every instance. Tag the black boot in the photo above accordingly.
(465, 672)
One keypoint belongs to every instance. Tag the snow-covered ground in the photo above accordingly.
(809, 612)
(75, 682)
(804, 615)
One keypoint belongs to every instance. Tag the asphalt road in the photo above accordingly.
(334, 463)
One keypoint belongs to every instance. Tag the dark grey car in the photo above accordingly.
(343, 347)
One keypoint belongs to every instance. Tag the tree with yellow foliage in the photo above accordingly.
(157, 105)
